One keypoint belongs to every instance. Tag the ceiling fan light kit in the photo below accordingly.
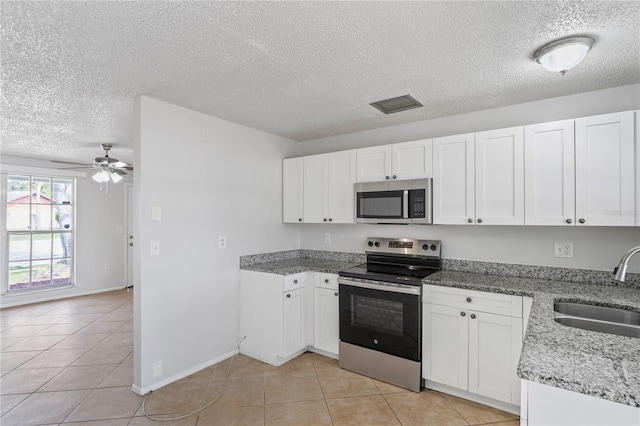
(109, 169)
(563, 54)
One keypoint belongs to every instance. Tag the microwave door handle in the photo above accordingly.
(405, 204)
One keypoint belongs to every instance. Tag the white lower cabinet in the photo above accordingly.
(326, 324)
(273, 316)
(283, 316)
(544, 405)
(472, 341)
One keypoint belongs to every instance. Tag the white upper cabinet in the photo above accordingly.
(374, 164)
(500, 177)
(340, 179)
(292, 190)
(412, 160)
(454, 180)
(400, 161)
(315, 188)
(549, 174)
(605, 170)
(328, 187)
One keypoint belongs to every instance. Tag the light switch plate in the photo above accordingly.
(156, 213)
(155, 248)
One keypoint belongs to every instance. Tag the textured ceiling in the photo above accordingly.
(303, 70)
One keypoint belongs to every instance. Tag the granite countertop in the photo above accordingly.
(597, 364)
(296, 261)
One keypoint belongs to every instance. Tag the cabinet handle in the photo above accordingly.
(568, 221)
(473, 316)
(468, 300)
(325, 219)
(326, 280)
(395, 177)
(463, 314)
(299, 219)
(330, 220)
(470, 220)
(386, 177)
(295, 281)
(582, 220)
(288, 296)
(479, 220)
(131, 244)
(335, 294)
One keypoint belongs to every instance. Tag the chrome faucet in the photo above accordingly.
(621, 270)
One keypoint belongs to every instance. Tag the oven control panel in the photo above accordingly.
(405, 246)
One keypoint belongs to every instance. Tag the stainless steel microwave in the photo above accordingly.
(394, 202)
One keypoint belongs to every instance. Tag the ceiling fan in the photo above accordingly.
(108, 168)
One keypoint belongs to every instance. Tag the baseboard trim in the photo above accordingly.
(174, 377)
(510, 408)
(58, 297)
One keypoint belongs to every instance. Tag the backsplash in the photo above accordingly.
(586, 276)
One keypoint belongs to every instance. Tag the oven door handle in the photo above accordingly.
(374, 285)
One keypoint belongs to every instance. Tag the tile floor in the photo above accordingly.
(70, 362)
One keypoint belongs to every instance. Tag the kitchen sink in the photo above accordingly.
(598, 318)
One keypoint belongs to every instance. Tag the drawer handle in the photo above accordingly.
(288, 296)
(470, 220)
(473, 316)
(463, 314)
(569, 221)
(582, 220)
(468, 299)
(479, 220)
(326, 280)
(295, 281)
(335, 294)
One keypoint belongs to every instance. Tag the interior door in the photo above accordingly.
(129, 206)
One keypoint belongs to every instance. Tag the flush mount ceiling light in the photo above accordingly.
(564, 54)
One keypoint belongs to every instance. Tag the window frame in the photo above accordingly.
(31, 172)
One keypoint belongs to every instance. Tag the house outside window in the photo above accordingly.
(39, 227)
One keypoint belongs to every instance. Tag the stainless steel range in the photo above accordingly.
(381, 310)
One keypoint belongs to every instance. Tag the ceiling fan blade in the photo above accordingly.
(118, 171)
(69, 162)
(121, 164)
(76, 168)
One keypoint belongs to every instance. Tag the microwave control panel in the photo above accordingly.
(417, 205)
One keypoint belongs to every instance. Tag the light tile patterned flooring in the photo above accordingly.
(70, 362)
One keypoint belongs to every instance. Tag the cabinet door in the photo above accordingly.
(445, 345)
(500, 177)
(494, 350)
(605, 170)
(326, 326)
(549, 174)
(292, 190)
(294, 321)
(341, 177)
(315, 188)
(412, 160)
(374, 164)
(454, 180)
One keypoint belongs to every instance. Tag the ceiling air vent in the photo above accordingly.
(401, 103)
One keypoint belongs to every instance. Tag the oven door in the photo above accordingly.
(381, 316)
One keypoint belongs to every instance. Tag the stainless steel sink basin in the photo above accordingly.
(598, 318)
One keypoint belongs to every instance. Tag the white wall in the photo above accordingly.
(594, 248)
(211, 178)
(98, 214)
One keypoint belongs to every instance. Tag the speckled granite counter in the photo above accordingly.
(597, 364)
(296, 261)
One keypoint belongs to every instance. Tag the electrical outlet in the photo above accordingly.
(327, 238)
(107, 266)
(563, 249)
(222, 242)
(157, 368)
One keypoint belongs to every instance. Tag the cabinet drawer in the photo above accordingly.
(324, 280)
(481, 301)
(292, 282)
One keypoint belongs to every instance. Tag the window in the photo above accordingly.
(40, 223)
